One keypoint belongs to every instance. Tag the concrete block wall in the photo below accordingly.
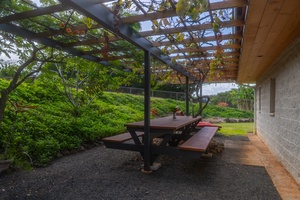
(281, 131)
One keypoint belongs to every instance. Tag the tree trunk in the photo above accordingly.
(14, 84)
(3, 100)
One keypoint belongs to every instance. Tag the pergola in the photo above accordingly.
(233, 38)
(179, 42)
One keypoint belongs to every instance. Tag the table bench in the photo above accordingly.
(200, 141)
(121, 137)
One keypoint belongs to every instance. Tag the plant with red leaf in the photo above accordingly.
(17, 107)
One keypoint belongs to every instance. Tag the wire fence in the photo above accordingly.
(154, 93)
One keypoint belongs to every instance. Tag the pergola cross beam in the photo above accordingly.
(103, 16)
(44, 41)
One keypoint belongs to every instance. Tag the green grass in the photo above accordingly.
(231, 129)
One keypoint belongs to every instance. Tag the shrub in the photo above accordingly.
(36, 136)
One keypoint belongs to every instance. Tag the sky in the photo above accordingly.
(212, 89)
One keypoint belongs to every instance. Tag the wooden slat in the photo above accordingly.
(227, 54)
(121, 137)
(172, 13)
(232, 23)
(203, 39)
(200, 141)
(230, 46)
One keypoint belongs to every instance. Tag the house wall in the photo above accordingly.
(281, 131)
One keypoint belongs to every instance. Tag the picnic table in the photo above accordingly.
(166, 136)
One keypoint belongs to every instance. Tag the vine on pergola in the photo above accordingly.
(188, 11)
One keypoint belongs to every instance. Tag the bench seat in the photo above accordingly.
(200, 141)
(121, 137)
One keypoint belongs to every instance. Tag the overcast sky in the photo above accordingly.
(210, 89)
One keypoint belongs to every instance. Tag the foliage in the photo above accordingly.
(191, 7)
(38, 135)
(243, 97)
(222, 104)
(243, 92)
(217, 111)
(223, 97)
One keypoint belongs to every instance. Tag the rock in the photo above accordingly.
(58, 155)
(226, 120)
(65, 152)
(4, 165)
(213, 151)
(73, 151)
(216, 147)
(231, 120)
(216, 120)
(81, 148)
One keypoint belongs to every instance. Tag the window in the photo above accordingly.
(272, 96)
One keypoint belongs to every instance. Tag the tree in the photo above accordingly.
(32, 58)
(81, 81)
(85, 76)
(243, 97)
(224, 97)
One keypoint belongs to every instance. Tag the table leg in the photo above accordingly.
(134, 137)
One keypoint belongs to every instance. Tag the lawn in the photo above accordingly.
(241, 129)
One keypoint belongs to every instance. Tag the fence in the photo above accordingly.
(154, 93)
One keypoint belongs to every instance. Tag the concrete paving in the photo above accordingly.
(255, 153)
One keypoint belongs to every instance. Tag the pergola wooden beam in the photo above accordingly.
(199, 33)
(225, 60)
(156, 44)
(207, 55)
(172, 13)
(208, 48)
(231, 46)
(232, 23)
(130, 19)
(16, 30)
(103, 16)
(144, 33)
(203, 39)
(229, 57)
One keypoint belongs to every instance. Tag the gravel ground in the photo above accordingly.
(101, 173)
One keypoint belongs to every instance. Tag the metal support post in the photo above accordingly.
(200, 103)
(187, 98)
(147, 139)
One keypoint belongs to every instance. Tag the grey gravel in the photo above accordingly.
(101, 173)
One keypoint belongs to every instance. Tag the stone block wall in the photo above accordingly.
(281, 130)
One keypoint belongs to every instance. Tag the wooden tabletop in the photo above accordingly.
(166, 122)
